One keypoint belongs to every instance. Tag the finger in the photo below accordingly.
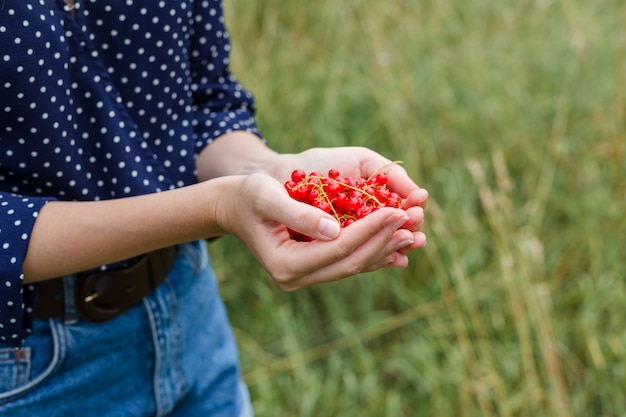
(416, 219)
(394, 253)
(399, 181)
(395, 260)
(308, 220)
(309, 257)
(397, 249)
(276, 205)
(417, 197)
(419, 241)
(365, 257)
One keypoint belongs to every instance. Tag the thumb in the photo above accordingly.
(274, 203)
(311, 221)
(328, 228)
(304, 218)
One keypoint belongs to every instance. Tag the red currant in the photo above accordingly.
(346, 198)
(298, 175)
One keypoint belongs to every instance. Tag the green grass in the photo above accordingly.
(512, 115)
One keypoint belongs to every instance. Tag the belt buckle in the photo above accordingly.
(87, 304)
(102, 296)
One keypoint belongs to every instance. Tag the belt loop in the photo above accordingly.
(71, 316)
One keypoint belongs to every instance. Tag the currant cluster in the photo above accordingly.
(347, 199)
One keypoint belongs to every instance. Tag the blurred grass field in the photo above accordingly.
(512, 115)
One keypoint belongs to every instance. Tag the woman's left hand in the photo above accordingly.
(357, 162)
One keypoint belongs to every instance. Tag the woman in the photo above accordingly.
(125, 141)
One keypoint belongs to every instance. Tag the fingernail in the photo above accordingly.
(328, 228)
(404, 244)
(397, 220)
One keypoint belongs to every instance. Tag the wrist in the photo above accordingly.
(226, 195)
(234, 153)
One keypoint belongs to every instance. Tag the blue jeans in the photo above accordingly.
(172, 355)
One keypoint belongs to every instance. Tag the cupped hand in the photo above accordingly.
(353, 161)
(258, 211)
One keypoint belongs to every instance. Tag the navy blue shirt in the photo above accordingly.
(116, 101)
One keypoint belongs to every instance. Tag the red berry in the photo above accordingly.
(301, 193)
(313, 195)
(322, 205)
(354, 204)
(341, 202)
(333, 173)
(346, 198)
(298, 175)
(332, 188)
(381, 179)
(363, 211)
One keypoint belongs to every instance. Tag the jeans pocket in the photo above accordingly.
(14, 368)
(24, 369)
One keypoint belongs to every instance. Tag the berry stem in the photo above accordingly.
(323, 193)
(383, 167)
(358, 190)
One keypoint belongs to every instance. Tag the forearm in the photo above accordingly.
(69, 237)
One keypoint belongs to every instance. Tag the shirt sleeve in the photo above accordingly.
(17, 219)
(220, 103)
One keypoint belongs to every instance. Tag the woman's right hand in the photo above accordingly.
(257, 209)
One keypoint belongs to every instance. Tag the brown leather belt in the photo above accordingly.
(103, 295)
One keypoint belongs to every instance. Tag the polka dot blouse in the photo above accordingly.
(116, 101)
